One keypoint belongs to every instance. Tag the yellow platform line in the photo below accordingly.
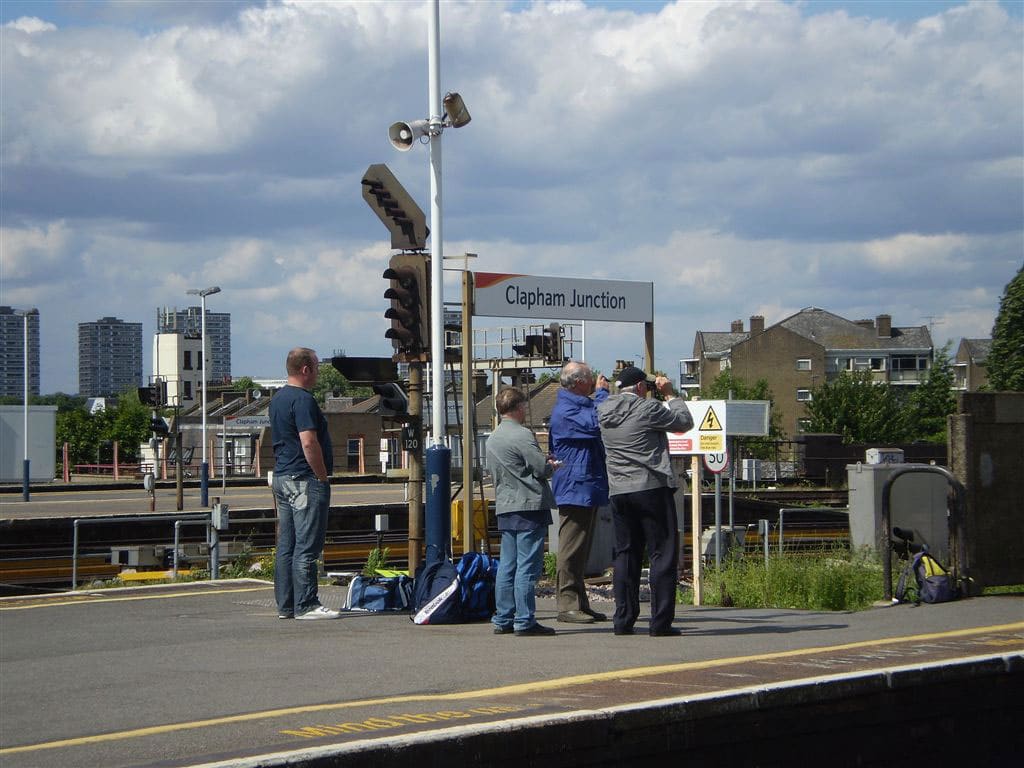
(509, 690)
(97, 597)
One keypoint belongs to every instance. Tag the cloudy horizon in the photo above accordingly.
(748, 158)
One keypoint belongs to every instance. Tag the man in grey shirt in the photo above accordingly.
(641, 485)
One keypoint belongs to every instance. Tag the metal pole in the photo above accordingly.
(26, 471)
(224, 456)
(204, 472)
(718, 521)
(74, 559)
(436, 229)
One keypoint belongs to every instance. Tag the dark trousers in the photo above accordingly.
(575, 526)
(645, 519)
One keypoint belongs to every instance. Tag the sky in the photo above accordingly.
(748, 158)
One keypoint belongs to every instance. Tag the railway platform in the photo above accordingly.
(207, 675)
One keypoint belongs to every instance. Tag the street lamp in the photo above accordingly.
(25, 459)
(204, 475)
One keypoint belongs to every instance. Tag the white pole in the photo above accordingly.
(25, 468)
(205, 469)
(436, 232)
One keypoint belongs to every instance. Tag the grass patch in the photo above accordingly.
(833, 579)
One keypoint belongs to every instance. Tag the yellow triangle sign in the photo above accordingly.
(710, 422)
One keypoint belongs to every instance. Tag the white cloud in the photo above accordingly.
(744, 156)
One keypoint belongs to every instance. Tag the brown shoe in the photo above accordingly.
(575, 617)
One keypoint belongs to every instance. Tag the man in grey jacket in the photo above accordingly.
(523, 502)
(641, 485)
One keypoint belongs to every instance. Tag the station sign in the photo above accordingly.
(708, 433)
(248, 422)
(562, 298)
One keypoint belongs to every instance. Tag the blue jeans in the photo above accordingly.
(519, 567)
(302, 505)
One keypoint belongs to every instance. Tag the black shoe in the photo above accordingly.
(506, 630)
(537, 630)
(575, 617)
(623, 630)
(596, 615)
(667, 632)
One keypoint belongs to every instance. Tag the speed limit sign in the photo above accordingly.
(716, 462)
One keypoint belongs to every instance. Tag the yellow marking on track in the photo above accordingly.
(509, 690)
(94, 597)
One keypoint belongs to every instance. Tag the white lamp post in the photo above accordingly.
(26, 462)
(204, 475)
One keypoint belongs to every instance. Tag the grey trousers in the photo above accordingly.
(575, 526)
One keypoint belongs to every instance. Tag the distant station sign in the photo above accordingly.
(562, 298)
(248, 422)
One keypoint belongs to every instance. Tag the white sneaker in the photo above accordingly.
(320, 612)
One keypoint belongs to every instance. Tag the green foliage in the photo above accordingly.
(550, 566)
(829, 580)
(91, 436)
(930, 403)
(1006, 358)
(860, 409)
(330, 381)
(376, 560)
(249, 565)
(724, 384)
(243, 384)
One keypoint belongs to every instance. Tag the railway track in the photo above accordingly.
(47, 563)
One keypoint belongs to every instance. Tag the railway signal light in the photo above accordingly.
(159, 426)
(409, 314)
(553, 343)
(395, 208)
(394, 403)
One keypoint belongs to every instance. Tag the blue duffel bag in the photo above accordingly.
(379, 593)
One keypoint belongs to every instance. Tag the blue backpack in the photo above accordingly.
(437, 597)
(477, 571)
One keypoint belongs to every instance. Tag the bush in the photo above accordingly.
(827, 580)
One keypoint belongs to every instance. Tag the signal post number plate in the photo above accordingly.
(411, 438)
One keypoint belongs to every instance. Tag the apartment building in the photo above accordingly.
(970, 366)
(189, 322)
(109, 357)
(804, 351)
(12, 352)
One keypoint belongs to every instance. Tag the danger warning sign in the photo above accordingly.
(708, 434)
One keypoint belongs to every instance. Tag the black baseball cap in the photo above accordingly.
(631, 375)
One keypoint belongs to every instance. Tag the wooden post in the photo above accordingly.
(259, 472)
(416, 465)
(362, 456)
(695, 530)
(67, 466)
(117, 468)
(468, 416)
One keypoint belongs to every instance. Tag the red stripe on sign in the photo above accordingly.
(487, 279)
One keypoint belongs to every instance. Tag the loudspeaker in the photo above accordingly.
(403, 134)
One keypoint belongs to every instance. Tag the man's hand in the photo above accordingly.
(602, 382)
(664, 386)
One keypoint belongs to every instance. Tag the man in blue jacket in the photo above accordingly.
(580, 486)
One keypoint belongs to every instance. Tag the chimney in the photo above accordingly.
(884, 325)
(869, 324)
(737, 326)
(756, 324)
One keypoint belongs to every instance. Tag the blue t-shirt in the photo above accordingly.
(294, 410)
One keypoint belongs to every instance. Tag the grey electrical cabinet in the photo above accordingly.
(917, 502)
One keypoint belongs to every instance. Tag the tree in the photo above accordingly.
(1006, 357)
(858, 408)
(331, 381)
(726, 384)
(929, 404)
(243, 384)
(129, 424)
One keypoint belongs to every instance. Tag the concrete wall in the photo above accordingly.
(986, 448)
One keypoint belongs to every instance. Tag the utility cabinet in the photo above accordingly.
(918, 502)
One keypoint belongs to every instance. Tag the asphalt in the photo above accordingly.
(206, 674)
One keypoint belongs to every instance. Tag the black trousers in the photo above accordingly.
(645, 520)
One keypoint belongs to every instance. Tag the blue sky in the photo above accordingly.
(747, 158)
